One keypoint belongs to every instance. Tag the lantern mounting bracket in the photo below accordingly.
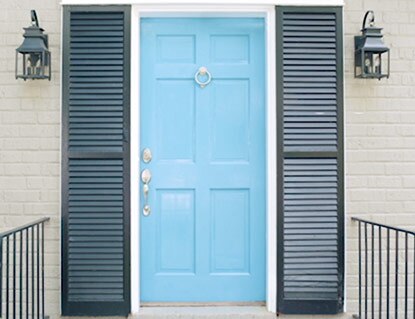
(35, 21)
(372, 19)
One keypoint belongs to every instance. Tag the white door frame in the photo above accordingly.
(194, 10)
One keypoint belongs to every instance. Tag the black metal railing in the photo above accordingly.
(22, 271)
(386, 257)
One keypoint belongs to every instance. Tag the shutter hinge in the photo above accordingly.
(126, 135)
(340, 293)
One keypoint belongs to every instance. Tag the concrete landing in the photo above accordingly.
(220, 312)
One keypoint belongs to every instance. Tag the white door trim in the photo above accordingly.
(207, 2)
(268, 13)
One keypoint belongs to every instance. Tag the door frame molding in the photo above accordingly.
(268, 13)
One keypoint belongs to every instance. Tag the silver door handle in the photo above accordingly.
(146, 178)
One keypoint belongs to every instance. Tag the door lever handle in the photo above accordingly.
(145, 178)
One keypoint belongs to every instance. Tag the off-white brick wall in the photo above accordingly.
(380, 132)
(380, 128)
(29, 135)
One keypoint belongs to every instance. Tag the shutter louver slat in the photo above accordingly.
(310, 195)
(91, 67)
(303, 62)
(297, 171)
(96, 168)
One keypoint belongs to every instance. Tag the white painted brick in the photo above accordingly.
(34, 182)
(365, 169)
(384, 182)
(16, 196)
(16, 117)
(384, 155)
(382, 130)
(48, 117)
(409, 181)
(356, 130)
(29, 169)
(12, 183)
(358, 195)
(43, 156)
(400, 194)
(20, 144)
(356, 156)
(9, 104)
(9, 131)
(376, 208)
(356, 181)
(400, 168)
(49, 144)
(10, 157)
(38, 130)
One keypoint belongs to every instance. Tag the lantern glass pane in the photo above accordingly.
(34, 65)
(386, 64)
(368, 64)
(357, 67)
(377, 64)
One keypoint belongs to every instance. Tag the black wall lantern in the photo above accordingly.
(33, 56)
(372, 59)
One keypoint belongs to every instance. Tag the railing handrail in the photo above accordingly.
(373, 247)
(24, 246)
(26, 226)
(406, 231)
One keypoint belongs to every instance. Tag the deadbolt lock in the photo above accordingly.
(146, 155)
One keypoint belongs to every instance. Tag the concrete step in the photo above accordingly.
(219, 312)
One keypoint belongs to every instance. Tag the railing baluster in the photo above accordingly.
(14, 275)
(387, 273)
(396, 273)
(406, 276)
(38, 272)
(373, 272)
(43, 270)
(27, 273)
(1, 276)
(21, 277)
(7, 277)
(33, 272)
(360, 270)
(380, 272)
(366, 271)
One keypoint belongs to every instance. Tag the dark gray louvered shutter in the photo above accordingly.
(95, 161)
(310, 160)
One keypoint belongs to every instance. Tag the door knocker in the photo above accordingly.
(203, 72)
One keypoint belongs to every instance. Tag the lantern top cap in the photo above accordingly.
(34, 38)
(371, 39)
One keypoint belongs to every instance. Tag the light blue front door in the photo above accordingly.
(204, 240)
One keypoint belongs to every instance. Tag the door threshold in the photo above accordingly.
(203, 304)
(204, 312)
